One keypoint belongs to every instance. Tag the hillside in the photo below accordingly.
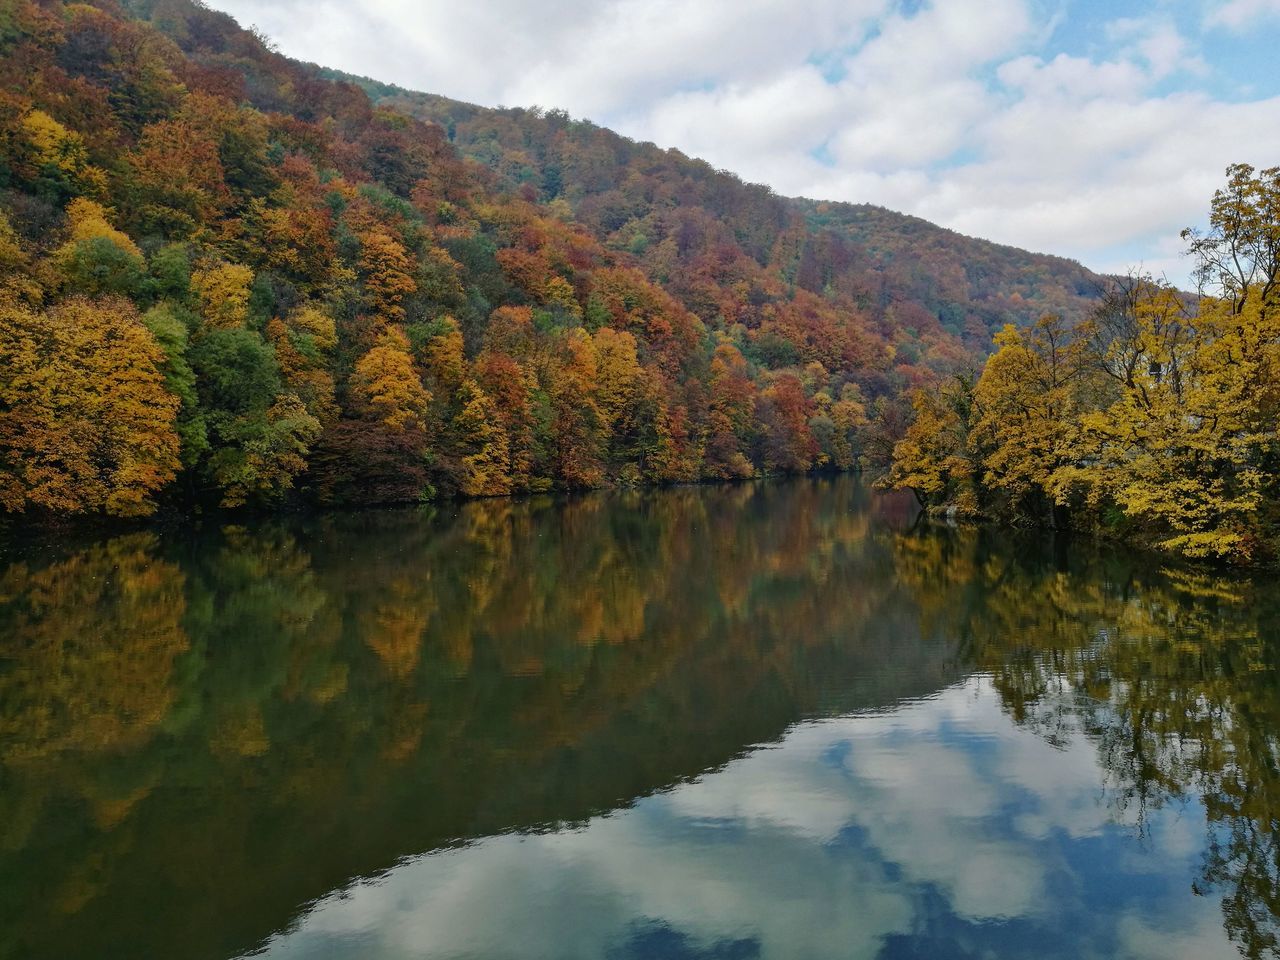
(878, 257)
(228, 277)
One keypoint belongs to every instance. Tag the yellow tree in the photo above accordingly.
(20, 281)
(935, 459)
(619, 392)
(731, 419)
(387, 273)
(849, 417)
(304, 345)
(1027, 426)
(445, 360)
(60, 155)
(1188, 446)
(86, 424)
(486, 455)
(386, 387)
(222, 290)
(578, 424)
(97, 258)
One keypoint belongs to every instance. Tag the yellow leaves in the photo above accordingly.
(933, 458)
(445, 360)
(1151, 415)
(223, 291)
(18, 278)
(56, 148)
(559, 293)
(1181, 448)
(313, 322)
(53, 143)
(486, 463)
(385, 385)
(618, 372)
(848, 416)
(89, 220)
(1027, 397)
(386, 270)
(86, 423)
(303, 346)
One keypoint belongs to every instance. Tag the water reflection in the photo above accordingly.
(529, 726)
(935, 830)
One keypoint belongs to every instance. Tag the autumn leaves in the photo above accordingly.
(1158, 418)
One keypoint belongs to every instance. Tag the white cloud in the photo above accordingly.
(962, 112)
(1236, 14)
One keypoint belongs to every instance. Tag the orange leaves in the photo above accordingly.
(180, 176)
(386, 271)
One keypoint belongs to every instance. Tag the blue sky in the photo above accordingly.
(1096, 130)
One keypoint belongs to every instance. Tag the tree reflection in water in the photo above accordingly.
(199, 734)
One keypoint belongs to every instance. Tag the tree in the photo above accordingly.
(486, 457)
(304, 347)
(386, 387)
(1238, 258)
(171, 334)
(935, 458)
(789, 446)
(259, 434)
(849, 418)
(731, 419)
(268, 452)
(1028, 406)
(387, 274)
(86, 423)
(98, 259)
(222, 290)
(578, 426)
(20, 279)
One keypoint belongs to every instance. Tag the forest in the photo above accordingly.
(229, 279)
(1155, 419)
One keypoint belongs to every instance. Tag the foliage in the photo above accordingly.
(348, 306)
(1157, 409)
(86, 424)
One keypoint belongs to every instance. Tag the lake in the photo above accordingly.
(775, 720)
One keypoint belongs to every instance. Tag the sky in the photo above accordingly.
(1094, 129)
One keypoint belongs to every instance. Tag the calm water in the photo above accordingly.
(735, 722)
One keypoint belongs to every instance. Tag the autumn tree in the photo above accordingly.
(387, 275)
(483, 445)
(98, 259)
(1027, 398)
(385, 386)
(222, 290)
(86, 423)
(935, 459)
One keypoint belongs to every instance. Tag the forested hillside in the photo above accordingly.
(904, 272)
(226, 278)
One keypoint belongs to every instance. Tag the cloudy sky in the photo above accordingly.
(1091, 128)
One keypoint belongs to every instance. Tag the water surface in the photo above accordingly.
(779, 720)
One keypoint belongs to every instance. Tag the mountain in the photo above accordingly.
(228, 277)
(880, 258)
